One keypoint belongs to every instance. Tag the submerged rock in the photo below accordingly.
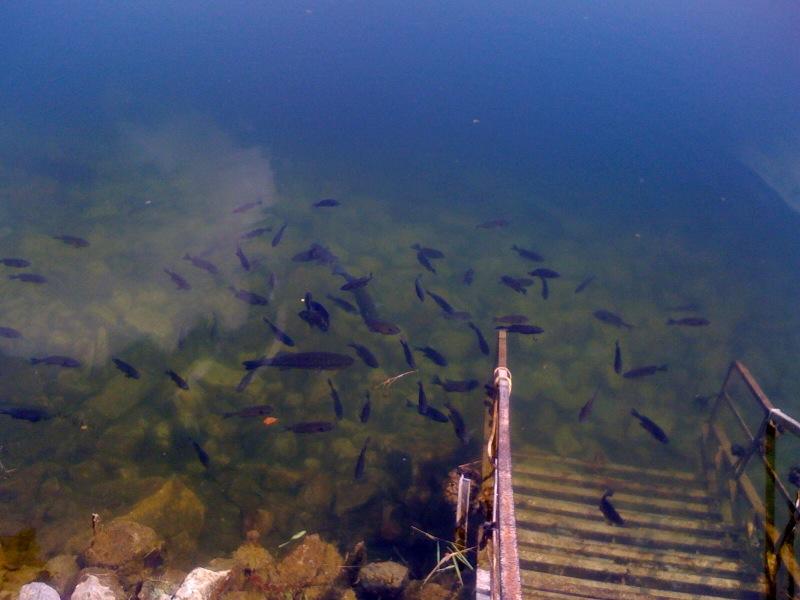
(62, 572)
(38, 591)
(416, 590)
(311, 568)
(202, 584)
(98, 586)
(125, 546)
(383, 579)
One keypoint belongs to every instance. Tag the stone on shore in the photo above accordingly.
(202, 584)
(38, 591)
(384, 579)
(98, 585)
(125, 546)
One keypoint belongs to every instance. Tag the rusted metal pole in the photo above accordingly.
(770, 559)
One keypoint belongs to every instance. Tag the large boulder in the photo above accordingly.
(384, 579)
(127, 547)
(311, 568)
(38, 591)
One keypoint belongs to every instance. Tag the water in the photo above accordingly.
(654, 148)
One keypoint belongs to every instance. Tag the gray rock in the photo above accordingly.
(38, 591)
(98, 587)
(383, 579)
(201, 584)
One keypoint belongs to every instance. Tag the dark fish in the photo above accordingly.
(128, 369)
(315, 313)
(608, 510)
(343, 304)
(314, 319)
(202, 455)
(434, 414)
(423, 260)
(71, 240)
(29, 277)
(259, 410)
(249, 297)
(281, 335)
(365, 355)
(612, 319)
(179, 281)
(419, 289)
(544, 273)
(469, 276)
(316, 253)
(433, 355)
(513, 283)
(242, 258)
(246, 207)
(584, 284)
(177, 379)
(310, 427)
(360, 463)
(255, 233)
(337, 403)
(26, 413)
(523, 329)
(382, 327)
(651, 427)
(511, 319)
(458, 423)
(355, 284)
(794, 475)
(545, 289)
(690, 322)
(302, 360)
(422, 399)
(366, 409)
(409, 356)
(529, 254)
(450, 385)
(738, 450)
(327, 202)
(17, 263)
(493, 224)
(442, 303)
(586, 409)
(428, 252)
(481, 340)
(202, 263)
(245, 381)
(279, 235)
(644, 371)
(9, 332)
(57, 361)
(617, 358)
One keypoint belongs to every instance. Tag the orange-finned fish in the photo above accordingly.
(270, 421)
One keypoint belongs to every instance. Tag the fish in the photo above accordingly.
(492, 224)
(366, 409)
(608, 510)
(249, 297)
(644, 371)
(177, 379)
(202, 455)
(612, 319)
(586, 409)
(343, 304)
(328, 361)
(245, 381)
(126, 368)
(310, 427)
(17, 263)
(584, 284)
(522, 328)
(689, 322)
(258, 410)
(450, 385)
(326, 203)
(242, 258)
(513, 283)
(245, 207)
(10, 333)
(26, 413)
(651, 427)
(314, 319)
(545, 289)
(71, 240)
(423, 260)
(529, 254)
(428, 252)
(316, 253)
(408, 354)
(617, 358)
(57, 361)
(419, 289)
(511, 319)
(357, 283)
(482, 344)
(255, 233)
(382, 327)
(794, 475)
(280, 334)
(338, 409)
(544, 273)
(29, 277)
(202, 263)
(458, 423)
(365, 355)
(442, 303)
(434, 414)
(267, 421)
(358, 473)
(276, 239)
(316, 313)
(469, 276)
(179, 281)
(433, 355)
(422, 399)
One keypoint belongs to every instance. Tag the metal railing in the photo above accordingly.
(730, 461)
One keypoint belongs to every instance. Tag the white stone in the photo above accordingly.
(38, 591)
(201, 584)
(91, 588)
